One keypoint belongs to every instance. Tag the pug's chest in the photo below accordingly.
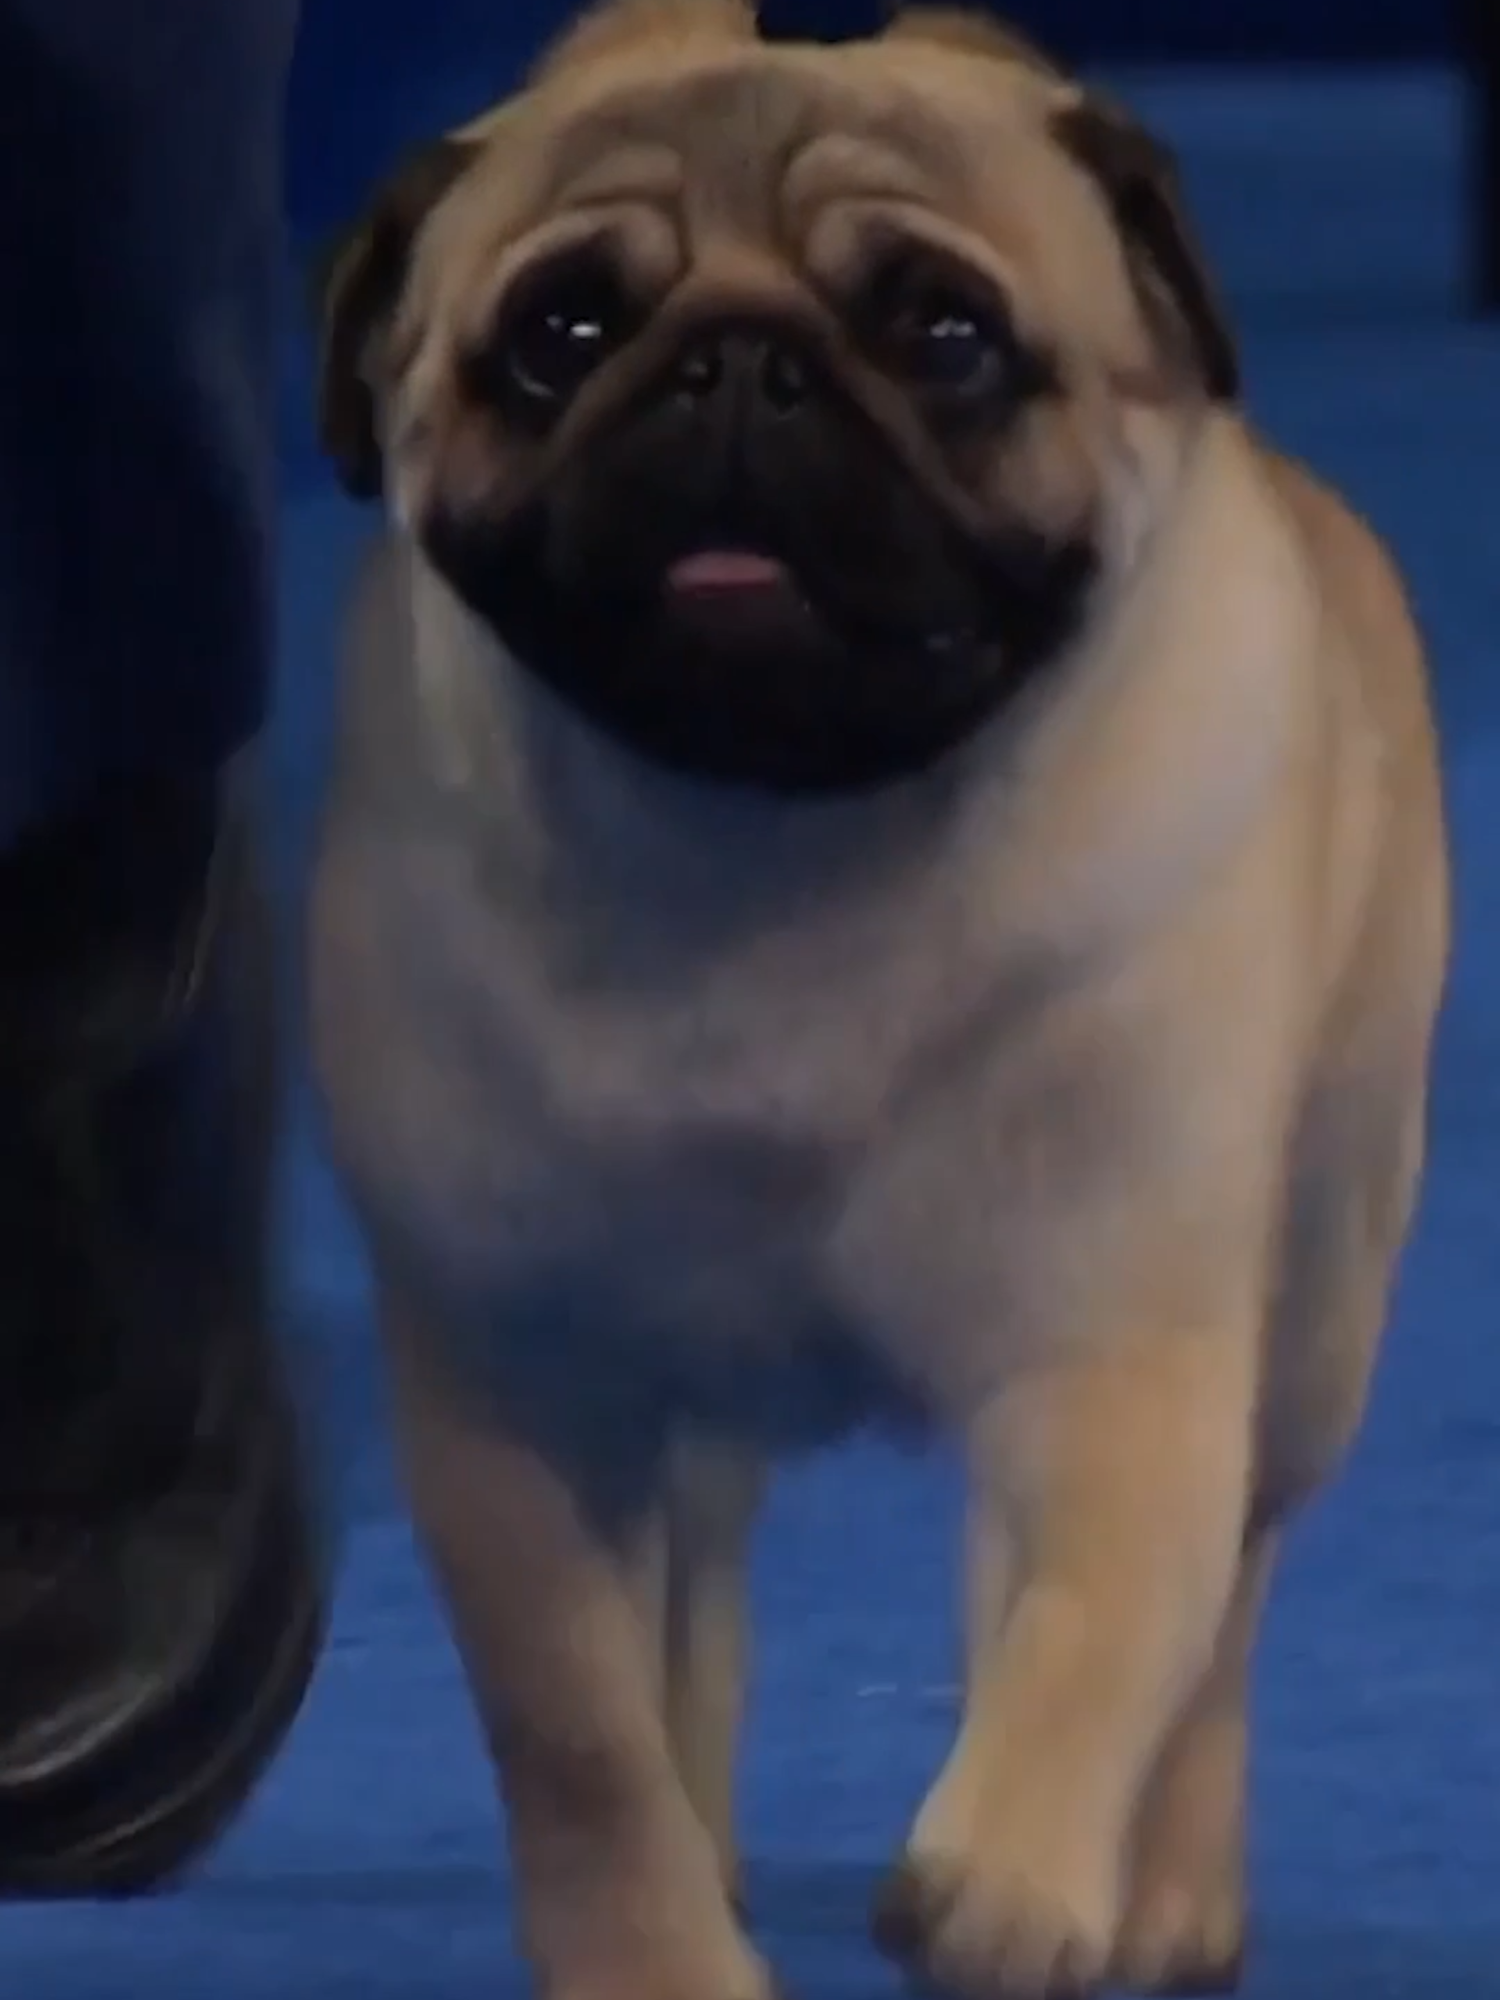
(654, 1185)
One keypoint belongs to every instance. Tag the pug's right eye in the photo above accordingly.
(564, 326)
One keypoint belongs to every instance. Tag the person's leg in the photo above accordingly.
(1479, 30)
(160, 1590)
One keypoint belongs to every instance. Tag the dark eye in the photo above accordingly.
(562, 331)
(931, 334)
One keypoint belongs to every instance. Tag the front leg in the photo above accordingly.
(1183, 1929)
(1108, 1508)
(618, 1881)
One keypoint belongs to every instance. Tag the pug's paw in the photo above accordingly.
(644, 1970)
(982, 1925)
(1182, 1928)
(1182, 1933)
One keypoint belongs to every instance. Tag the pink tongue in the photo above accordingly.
(725, 569)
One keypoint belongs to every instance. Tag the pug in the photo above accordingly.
(885, 866)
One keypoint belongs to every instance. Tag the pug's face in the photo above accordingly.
(786, 409)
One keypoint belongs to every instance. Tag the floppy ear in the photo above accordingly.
(355, 290)
(1138, 178)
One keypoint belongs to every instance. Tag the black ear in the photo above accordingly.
(1138, 178)
(355, 289)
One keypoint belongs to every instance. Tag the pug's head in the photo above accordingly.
(786, 409)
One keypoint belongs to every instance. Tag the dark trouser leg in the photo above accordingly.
(1480, 32)
(139, 246)
(160, 1598)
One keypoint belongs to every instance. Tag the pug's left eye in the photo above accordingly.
(561, 333)
(935, 338)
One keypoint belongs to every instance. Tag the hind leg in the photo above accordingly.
(1184, 1924)
(689, 1583)
(716, 1494)
(1358, 1161)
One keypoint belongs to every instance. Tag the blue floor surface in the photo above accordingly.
(368, 1866)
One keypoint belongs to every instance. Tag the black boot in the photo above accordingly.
(161, 1585)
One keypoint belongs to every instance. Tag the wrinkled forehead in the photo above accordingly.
(751, 140)
(735, 133)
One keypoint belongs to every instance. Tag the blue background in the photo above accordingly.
(366, 66)
(368, 1867)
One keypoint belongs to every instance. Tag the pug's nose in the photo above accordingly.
(763, 371)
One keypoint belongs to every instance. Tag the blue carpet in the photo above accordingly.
(368, 1865)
